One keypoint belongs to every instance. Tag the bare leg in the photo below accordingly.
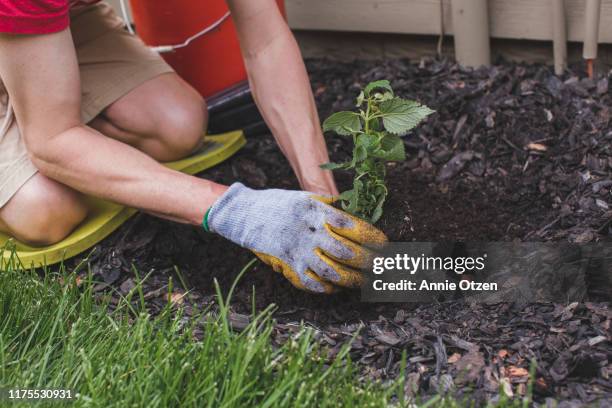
(42, 212)
(163, 117)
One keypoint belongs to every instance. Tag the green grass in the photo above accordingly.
(57, 336)
(54, 335)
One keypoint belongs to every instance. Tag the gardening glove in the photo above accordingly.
(315, 246)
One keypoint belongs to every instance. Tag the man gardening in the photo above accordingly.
(88, 109)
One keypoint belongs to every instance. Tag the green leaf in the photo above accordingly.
(346, 195)
(360, 99)
(381, 97)
(400, 116)
(380, 189)
(378, 210)
(375, 125)
(388, 95)
(367, 141)
(364, 167)
(382, 84)
(352, 197)
(391, 149)
(343, 123)
(360, 153)
(335, 166)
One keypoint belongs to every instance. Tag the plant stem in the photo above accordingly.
(367, 119)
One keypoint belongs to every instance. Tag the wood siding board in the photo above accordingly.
(516, 19)
(388, 16)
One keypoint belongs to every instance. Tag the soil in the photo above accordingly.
(513, 153)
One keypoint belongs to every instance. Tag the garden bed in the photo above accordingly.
(513, 153)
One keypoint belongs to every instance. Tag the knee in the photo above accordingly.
(53, 221)
(181, 127)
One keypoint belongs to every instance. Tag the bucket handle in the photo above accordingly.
(169, 48)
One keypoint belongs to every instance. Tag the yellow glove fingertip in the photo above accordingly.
(348, 277)
(292, 276)
(329, 200)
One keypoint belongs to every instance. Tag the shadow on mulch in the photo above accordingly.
(513, 153)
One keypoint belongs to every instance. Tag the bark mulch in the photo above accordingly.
(513, 153)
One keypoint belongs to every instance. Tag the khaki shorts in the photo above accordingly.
(112, 63)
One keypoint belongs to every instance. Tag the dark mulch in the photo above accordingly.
(513, 152)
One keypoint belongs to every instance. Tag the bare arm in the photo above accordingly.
(41, 75)
(282, 90)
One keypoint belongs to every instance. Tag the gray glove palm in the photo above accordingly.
(315, 246)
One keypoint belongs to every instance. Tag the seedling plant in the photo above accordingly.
(377, 129)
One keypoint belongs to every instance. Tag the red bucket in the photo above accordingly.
(210, 63)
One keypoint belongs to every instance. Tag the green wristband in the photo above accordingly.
(205, 220)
